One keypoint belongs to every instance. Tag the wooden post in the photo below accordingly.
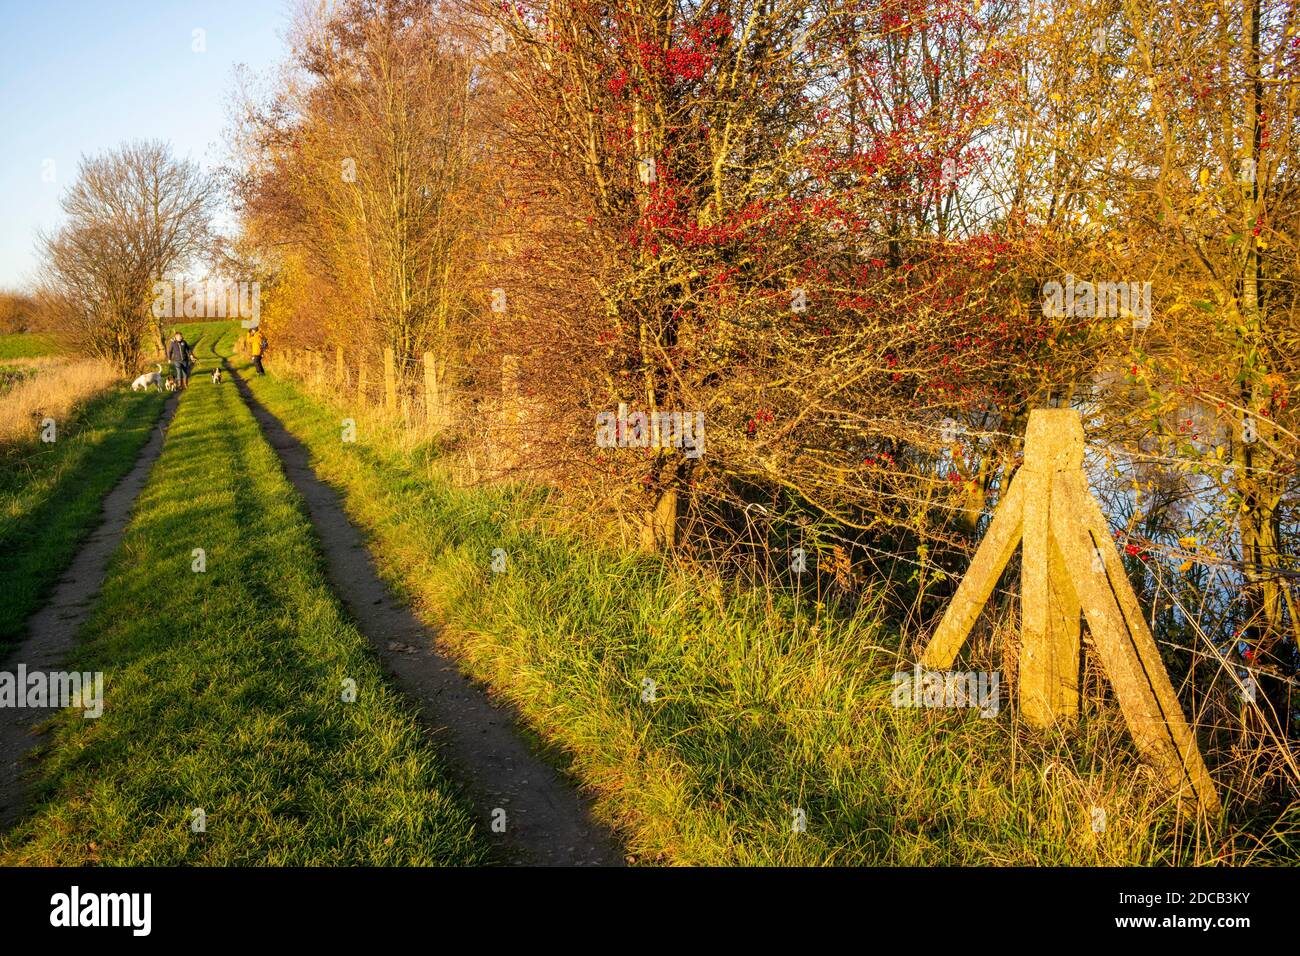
(339, 367)
(432, 400)
(1069, 565)
(1049, 610)
(510, 390)
(509, 444)
(390, 381)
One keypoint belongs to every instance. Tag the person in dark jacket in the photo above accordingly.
(181, 357)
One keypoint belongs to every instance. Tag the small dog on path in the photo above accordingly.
(148, 380)
(216, 375)
(171, 384)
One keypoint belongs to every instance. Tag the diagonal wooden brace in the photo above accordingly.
(1124, 643)
(986, 567)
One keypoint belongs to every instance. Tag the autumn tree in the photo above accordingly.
(360, 178)
(17, 311)
(715, 205)
(134, 216)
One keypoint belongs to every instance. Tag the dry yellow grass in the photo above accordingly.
(35, 361)
(55, 390)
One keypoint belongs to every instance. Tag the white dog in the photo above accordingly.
(148, 380)
(216, 375)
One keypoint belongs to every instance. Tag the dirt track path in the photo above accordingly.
(52, 631)
(548, 823)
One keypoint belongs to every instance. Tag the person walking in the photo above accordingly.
(257, 346)
(179, 354)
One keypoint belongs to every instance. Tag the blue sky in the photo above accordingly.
(81, 77)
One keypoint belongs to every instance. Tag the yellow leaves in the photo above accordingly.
(1186, 565)
(1187, 542)
(1205, 178)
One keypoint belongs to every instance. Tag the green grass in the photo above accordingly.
(761, 708)
(51, 494)
(223, 689)
(19, 345)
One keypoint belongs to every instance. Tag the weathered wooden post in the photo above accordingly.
(510, 411)
(1049, 611)
(390, 381)
(432, 400)
(1069, 565)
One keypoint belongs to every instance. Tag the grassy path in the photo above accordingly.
(225, 689)
(50, 495)
(538, 817)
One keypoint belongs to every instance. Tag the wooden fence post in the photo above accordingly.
(510, 416)
(390, 381)
(432, 400)
(1071, 565)
(1049, 611)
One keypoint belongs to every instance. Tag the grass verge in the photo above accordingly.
(224, 689)
(51, 494)
(726, 726)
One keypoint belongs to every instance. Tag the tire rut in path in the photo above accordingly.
(548, 822)
(52, 631)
